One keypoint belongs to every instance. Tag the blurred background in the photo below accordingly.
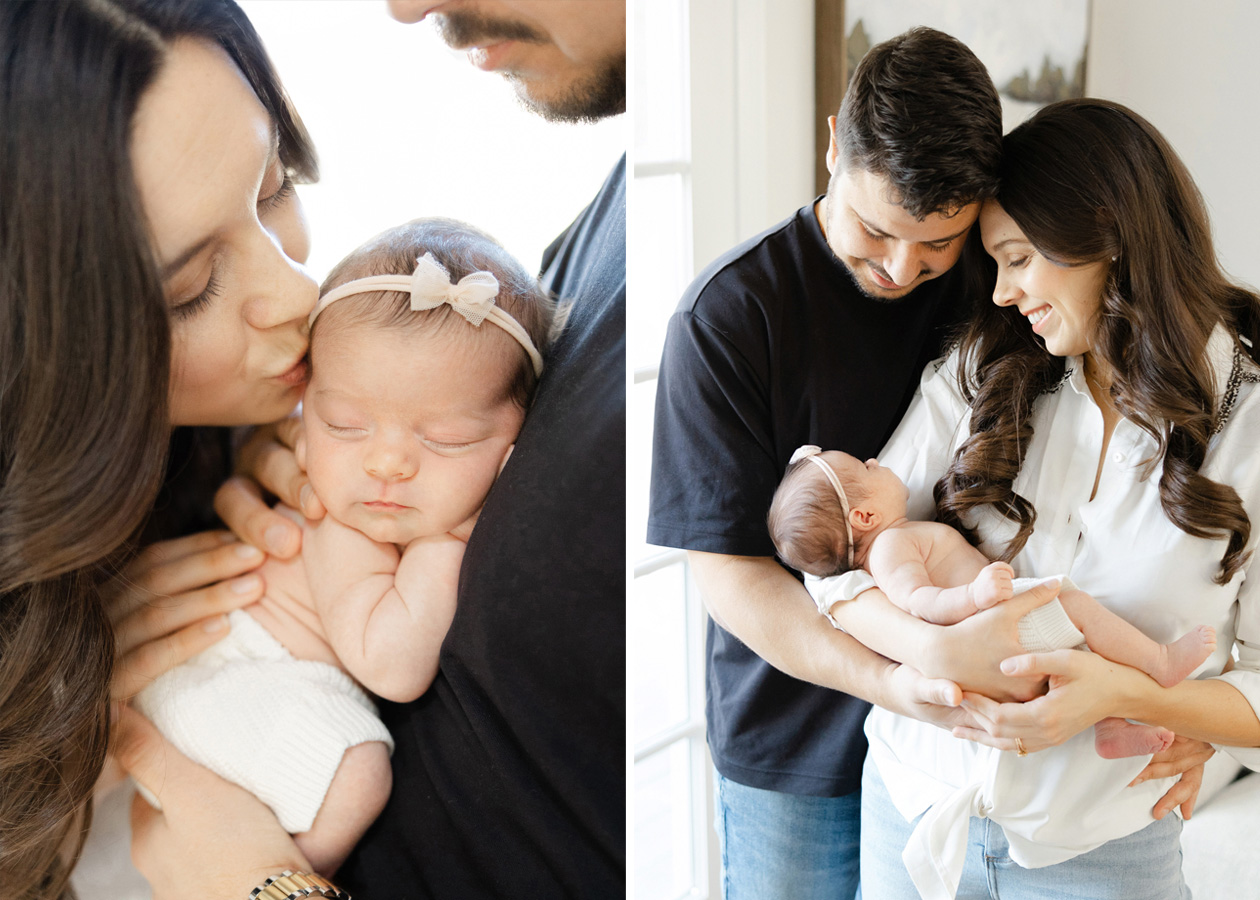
(728, 99)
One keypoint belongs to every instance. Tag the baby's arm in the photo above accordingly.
(897, 562)
(385, 614)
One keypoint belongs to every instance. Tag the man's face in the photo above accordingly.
(889, 251)
(567, 58)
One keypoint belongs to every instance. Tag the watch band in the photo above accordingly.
(289, 885)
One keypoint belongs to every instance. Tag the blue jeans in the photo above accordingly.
(1146, 864)
(786, 845)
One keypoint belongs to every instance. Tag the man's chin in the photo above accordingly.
(595, 98)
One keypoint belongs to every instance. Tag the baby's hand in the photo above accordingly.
(992, 585)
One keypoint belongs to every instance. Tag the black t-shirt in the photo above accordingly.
(509, 773)
(773, 346)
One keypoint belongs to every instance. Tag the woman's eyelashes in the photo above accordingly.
(186, 309)
(279, 196)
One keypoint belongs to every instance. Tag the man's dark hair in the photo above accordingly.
(922, 111)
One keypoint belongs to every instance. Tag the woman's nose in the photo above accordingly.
(1005, 292)
(287, 290)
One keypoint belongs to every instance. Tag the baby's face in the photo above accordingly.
(405, 433)
(886, 492)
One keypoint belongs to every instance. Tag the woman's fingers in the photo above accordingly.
(163, 582)
(162, 616)
(164, 552)
(240, 505)
(1184, 793)
(980, 736)
(137, 669)
(1184, 755)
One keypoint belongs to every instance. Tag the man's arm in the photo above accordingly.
(759, 602)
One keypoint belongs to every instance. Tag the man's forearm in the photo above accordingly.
(758, 601)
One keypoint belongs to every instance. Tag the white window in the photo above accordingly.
(723, 131)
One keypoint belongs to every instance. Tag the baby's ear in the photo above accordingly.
(507, 454)
(862, 519)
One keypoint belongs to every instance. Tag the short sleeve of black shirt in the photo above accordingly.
(770, 348)
(509, 773)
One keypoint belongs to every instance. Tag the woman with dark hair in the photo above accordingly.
(151, 250)
(1100, 418)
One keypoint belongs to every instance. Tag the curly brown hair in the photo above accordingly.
(1090, 181)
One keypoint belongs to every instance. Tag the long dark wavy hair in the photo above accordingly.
(84, 375)
(1090, 181)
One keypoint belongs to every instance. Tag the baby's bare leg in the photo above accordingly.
(1111, 636)
(355, 798)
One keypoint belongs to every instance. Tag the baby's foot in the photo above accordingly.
(1184, 655)
(992, 585)
(1117, 738)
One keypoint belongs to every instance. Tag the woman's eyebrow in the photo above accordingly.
(180, 261)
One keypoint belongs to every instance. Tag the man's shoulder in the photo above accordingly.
(762, 272)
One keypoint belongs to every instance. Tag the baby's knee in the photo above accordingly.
(365, 773)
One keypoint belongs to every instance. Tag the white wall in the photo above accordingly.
(1193, 71)
(752, 102)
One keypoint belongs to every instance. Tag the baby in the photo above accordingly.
(425, 352)
(832, 512)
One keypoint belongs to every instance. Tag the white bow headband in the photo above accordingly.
(430, 286)
(810, 452)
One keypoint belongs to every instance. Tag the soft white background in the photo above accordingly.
(406, 127)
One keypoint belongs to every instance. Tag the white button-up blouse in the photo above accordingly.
(1121, 548)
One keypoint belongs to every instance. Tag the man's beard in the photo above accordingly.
(599, 96)
(596, 96)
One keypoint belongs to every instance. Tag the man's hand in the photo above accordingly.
(267, 462)
(932, 700)
(1186, 757)
(968, 653)
(211, 838)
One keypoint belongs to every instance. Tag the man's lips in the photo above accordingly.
(881, 280)
(491, 56)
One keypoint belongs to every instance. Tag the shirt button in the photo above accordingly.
(1118, 457)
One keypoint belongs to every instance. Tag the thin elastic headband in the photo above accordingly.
(430, 286)
(810, 452)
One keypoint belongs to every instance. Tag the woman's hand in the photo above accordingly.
(268, 462)
(171, 603)
(211, 838)
(1084, 688)
(1186, 757)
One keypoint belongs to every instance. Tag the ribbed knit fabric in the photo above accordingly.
(1047, 627)
(275, 725)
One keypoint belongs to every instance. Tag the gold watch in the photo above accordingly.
(290, 885)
